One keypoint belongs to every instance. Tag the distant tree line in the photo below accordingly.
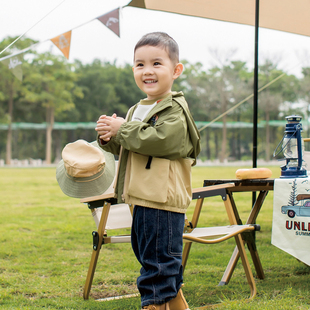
(54, 90)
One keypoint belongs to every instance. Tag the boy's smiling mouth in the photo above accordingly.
(150, 81)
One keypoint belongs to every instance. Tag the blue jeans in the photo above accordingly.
(157, 239)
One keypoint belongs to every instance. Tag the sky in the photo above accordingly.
(200, 40)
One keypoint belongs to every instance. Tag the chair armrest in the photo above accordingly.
(209, 191)
(99, 197)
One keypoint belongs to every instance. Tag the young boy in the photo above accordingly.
(157, 143)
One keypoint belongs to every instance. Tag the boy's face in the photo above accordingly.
(154, 72)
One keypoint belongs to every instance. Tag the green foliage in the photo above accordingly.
(55, 90)
(50, 82)
(107, 89)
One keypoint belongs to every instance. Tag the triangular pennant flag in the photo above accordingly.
(111, 20)
(63, 42)
(15, 65)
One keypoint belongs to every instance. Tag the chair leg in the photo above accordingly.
(194, 222)
(246, 265)
(90, 273)
(95, 253)
(230, 267)
(241, 248)
(186, 250)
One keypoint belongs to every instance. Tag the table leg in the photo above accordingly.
(257, 206)
(251, 242)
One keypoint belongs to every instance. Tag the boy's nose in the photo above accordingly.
(148, 71)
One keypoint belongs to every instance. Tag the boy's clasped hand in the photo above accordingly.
(108, 126)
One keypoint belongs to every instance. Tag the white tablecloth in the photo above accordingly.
(291, 217)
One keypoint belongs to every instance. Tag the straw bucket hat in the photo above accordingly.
(85, 169)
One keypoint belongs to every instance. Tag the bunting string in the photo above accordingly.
(110, 20)
(32, 27)
(62, 41)
(242, 101)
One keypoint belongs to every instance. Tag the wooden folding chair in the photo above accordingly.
(192, 233)
(212, 235)
(113, 216)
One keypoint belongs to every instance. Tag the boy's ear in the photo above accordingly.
(178, 70)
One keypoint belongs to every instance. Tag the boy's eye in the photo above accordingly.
(156, 63)
(139, 65)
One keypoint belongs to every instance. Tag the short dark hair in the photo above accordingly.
(161, 39)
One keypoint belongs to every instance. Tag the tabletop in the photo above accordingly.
(249, 185)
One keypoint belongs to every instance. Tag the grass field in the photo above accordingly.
(46, 245)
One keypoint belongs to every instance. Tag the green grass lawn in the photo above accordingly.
(46, 245)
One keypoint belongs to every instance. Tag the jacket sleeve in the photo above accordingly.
(168, 138)
(111, 146)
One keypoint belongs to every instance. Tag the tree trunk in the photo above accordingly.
(224, 130)
(8, 156)
(238, 145)
(267, 140)
(49, 130)
(208, 149)
(238, 140)
(58, 146)
(267, 134)
(232, 144)
(216, 144)
(224, 140)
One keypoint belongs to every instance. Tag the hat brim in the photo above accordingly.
(93, 186)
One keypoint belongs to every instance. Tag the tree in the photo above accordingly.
(107, 89)
(271, 98)
(9, 87)
(227, 86)
(239, 85)
(51, 84)
(305, 84)
(194, 82)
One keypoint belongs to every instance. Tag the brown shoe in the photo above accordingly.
(157, 307)
(179, 302)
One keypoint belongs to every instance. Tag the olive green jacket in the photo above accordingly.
(168, 132)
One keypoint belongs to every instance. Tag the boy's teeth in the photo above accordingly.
(152, 81)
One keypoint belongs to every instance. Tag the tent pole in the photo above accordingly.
(255, 91)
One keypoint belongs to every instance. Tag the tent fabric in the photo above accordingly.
(284, 15)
